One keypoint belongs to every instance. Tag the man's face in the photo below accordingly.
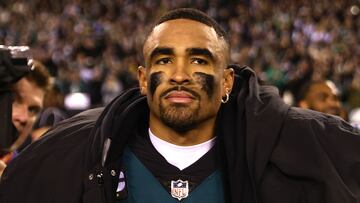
(184, 78)
(322, 98)
(28, 101)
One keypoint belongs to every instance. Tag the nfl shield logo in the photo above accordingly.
(179, 189)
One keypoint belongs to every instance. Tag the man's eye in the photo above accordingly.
(322, 97)
(33, 111)
(163, 61)
(199, 61)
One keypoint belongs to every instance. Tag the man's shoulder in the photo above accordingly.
(73, 128)
(56, 158)
(69, 135)
(83, 118)
(313, 120)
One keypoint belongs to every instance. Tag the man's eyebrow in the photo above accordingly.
(161, 51)
(200, 51)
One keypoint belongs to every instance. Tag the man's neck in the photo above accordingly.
(202, 133)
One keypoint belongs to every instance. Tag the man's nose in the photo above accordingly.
(21, 114)
(180, 74)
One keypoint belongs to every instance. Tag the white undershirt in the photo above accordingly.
(180, 156)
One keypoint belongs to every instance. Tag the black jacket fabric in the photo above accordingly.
(272, 153)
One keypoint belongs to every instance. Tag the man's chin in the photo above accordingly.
(180, 119)
(180, 126)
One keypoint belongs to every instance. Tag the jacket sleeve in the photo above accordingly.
(51, 169)
(318, 156)
(341, 143)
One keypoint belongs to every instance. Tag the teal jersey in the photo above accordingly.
(142, 186)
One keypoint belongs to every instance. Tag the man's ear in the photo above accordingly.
(303, 104)
(142, 80)
(228, 81)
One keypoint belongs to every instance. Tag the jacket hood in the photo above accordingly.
(247, 134)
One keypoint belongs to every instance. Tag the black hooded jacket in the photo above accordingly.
(272, 153)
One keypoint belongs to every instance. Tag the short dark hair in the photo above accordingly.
(190, 14)
(196, 15)
(39, 75)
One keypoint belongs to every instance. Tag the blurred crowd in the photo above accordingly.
(94, 46)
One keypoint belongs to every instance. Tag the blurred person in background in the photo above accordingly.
(29, 94)
(110, 88)
(321, 96)
(353, 91)
(53, 112)
(29, 100)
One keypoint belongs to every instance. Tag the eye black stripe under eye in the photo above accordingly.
(206, 82)
(155, 80)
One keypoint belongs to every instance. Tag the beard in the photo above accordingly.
(185, 117)
(180, 117)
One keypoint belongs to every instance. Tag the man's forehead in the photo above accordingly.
(182, 24)
(320, 87)
(30, 91)
(182, 32)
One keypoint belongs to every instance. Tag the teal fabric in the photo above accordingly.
(142, 186)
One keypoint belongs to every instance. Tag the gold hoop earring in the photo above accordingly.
(226, 99)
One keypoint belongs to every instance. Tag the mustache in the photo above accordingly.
(181, 88)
